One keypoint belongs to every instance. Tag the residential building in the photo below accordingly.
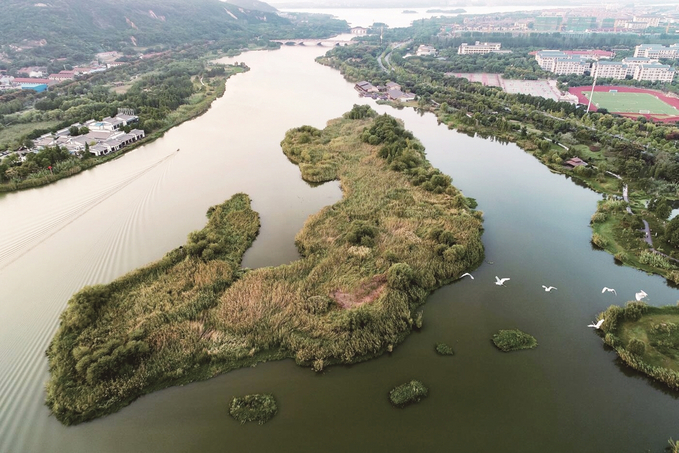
(650, 21)
(580, 24)
(654, 72)
(656, 51)
(609, 69)
(547, 23)
(478, 48)
(560, 62)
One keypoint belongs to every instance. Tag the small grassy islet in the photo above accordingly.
(514, 340)
(408, 393)
(258, 407)
(444, 349)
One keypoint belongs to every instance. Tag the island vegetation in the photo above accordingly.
(444, 349)
(513, 340)
(646, 338)
(618, 152)
(367, 264)
(408, 393)
(259, 407)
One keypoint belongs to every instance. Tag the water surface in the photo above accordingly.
(567, 395)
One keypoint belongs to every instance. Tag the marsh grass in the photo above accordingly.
(513, 340)
(368, 262)
(258, 407)
(444, 349)
(408, 393)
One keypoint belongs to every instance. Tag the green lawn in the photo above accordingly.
(631, 102)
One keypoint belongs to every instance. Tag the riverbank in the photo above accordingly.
(646, 339)
(618, 224)
(213, 90)
(368, 262)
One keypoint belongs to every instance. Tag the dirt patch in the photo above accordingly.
(366, 293)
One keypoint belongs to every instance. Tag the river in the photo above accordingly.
(567, 395)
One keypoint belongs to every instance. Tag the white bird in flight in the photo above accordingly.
(640, 295)
(500, 281)
(548, 288)
(610, 290)
(597, 325)
(467, 274)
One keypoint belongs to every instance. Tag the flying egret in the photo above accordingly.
(640, 295)
(467, 274)
(610, 290)
(500, 281)
(597, 325)
(548, 288)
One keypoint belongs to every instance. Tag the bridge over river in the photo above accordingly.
(324, 42)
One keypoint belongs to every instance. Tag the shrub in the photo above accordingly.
(408, 393)
(636, 346)
(361, 233)
(400, 276)
(514, 340)
(259, 407)
(444, 349)
(634, 310)
(599, 240)
(655, 260)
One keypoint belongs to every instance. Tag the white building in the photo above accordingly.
(562, 63)
(654, 72)
(425, 51)
(478, 48)
(656, 51)
(609, 69)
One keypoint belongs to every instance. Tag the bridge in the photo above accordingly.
(324, 42)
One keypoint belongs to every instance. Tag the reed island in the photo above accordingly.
(367, 264)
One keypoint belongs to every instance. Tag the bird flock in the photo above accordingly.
(641, 295)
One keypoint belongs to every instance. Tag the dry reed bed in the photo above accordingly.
(367, 263)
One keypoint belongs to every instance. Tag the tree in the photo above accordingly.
(672, 232)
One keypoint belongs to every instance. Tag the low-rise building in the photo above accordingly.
(478, 48)
(365, 87)
(424, 51)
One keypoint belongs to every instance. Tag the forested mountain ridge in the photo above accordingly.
(255, 5)
(38, 33)
(107, 22)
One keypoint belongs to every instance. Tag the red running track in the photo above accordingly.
(674, 102)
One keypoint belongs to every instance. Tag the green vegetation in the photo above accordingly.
(259, 407)
(70, 33)
(514, 340)
(631, 102)
(444, 349)
(618, 151)
(408, 393)
(646, 338)
(163, 101)
(368, 263)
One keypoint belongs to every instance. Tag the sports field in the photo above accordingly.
(631, 102)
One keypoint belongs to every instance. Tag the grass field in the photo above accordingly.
(631, 102)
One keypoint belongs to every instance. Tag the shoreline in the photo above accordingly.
(202, 108)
